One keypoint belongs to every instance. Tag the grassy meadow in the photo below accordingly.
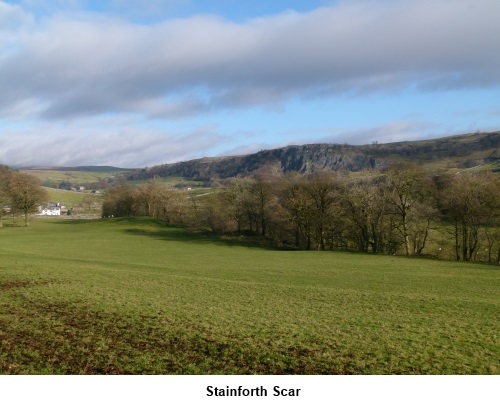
(66, 197)
(55, 176)
(134, 296)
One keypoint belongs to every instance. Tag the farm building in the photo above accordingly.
(52, 208)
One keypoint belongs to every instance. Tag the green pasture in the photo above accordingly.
(171, 181)
(52, 177)
(135, 296)
(66, 197)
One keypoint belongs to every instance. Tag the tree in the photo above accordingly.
(420, 222)
(4, 190)
(298, 209)
(471, 202)
(321, 189)
(149, 198)
(212, 213)
(25, 193)
(239, 207)
(409, 196)
(365, 206)
(492, 234)
(88, 200)
(118, 201)
(174, 205)
(261, 191)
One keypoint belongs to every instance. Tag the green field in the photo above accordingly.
(66, 197)
(54, 176)
(136, 296)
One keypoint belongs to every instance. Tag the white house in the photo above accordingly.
(52, 209)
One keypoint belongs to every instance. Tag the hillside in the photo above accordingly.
(72, 177)
(461, 151)
(94, 169)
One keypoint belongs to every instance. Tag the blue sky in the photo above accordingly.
(136, 83)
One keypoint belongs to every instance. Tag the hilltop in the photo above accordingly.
(96, 169)
(480, 150)
(75, 176)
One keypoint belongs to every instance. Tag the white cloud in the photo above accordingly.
(390, 132)
(13, 23)
(394, 131)
(64, 74)
(12, 17)
(88, 65)
(105, 142)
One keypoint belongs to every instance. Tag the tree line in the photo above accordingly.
(20, 194)
(401, 210)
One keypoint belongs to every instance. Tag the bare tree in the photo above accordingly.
(492, 234)
(212, 213)
(25, 193)
(471, 202)
(88, 201)
(118, 201)
(175, 205)
(240, 209)
(261, 190)
(298, 209)
(408, 194)
(321, 189)
(365, 206)
(151, 194)
(4, 190)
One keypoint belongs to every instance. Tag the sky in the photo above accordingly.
(136, 83)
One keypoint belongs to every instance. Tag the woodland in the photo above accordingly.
(399, 210)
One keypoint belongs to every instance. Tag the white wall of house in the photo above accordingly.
(51, 209)
(56, 211)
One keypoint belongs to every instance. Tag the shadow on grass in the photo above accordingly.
(181, 234)
(69, 221)
(158, 229)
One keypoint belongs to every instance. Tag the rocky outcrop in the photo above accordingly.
(303, 159)
(330, 157)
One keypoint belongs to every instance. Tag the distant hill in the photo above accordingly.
(96, 177)
(93, 169)
(461, 151)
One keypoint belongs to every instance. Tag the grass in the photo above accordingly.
(133, 296)
(66, 197)
(55, 176)
(171, 181)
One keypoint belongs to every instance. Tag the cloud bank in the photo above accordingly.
(91, 88)
(122, 147)
(74, 65)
